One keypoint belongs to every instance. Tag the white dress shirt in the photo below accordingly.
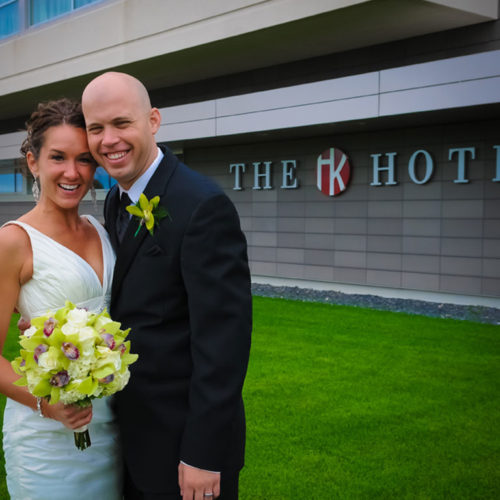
(140, 184)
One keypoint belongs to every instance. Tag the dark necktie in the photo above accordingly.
(123, 216)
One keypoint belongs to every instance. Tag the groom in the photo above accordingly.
(185, 293)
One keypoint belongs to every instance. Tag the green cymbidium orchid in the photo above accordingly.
(148, 211)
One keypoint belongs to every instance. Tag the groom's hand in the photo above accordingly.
(197, 484)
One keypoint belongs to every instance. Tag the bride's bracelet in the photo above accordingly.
(39, 407)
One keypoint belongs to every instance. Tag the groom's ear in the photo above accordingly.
(155, 120)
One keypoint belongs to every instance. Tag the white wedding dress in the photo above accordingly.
(41, 460)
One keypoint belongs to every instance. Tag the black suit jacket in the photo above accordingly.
(185, 293)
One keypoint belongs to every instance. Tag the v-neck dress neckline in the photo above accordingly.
(60, 274)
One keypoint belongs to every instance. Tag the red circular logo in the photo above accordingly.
(333, 172)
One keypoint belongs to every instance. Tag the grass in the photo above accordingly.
(353, 403)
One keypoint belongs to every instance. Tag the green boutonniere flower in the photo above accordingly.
(149, 212)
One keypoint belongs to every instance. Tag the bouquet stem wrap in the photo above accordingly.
(82, 438)
(82, 435)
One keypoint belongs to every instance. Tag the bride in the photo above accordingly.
(48, 256)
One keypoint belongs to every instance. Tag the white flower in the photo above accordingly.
(47, 361)
(30, 331)
(78, 317)
(86, 333)
(79, 369)
(70, 397)
(70, 329)
(86, 336)
(108, 357)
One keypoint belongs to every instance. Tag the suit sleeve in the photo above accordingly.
(215, 271)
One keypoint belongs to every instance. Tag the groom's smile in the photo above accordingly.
(115, 156)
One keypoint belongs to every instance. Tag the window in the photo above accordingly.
(17, 15)
(11, 177)
(102, 180)
(9, 17)
(43, 10)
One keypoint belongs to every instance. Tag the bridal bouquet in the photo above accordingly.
(74, 356)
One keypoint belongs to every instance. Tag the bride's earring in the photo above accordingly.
(35, 189)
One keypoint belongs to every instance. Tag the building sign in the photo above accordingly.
(262, 174)
(461, 155)
(333, 172)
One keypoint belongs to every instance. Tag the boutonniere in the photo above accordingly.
(150, 212)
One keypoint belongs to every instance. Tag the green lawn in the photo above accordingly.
(353, 403)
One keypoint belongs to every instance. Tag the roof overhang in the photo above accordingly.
(195, 46)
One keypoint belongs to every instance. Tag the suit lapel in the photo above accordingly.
(131, 244)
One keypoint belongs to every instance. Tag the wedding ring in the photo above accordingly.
(208, 494)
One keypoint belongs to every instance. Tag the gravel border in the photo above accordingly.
(479, 314)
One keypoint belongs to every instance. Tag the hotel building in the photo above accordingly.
(358, 139)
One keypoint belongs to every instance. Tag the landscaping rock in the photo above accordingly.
(455, 311)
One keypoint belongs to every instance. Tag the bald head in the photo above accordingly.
(107, 85)
(121, 125)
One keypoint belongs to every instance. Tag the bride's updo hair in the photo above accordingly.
(50, 114)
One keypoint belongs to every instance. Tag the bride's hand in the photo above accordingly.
(73, 417)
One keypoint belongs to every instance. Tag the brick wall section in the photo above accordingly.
(440, 236)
